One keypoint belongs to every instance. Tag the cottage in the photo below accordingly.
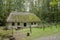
(22, 19)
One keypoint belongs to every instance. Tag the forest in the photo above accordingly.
(47, 10)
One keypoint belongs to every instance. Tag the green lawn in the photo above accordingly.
(36, 32)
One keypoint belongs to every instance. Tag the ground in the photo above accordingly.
(24, 37)
(37, 33)
(48, 34)
(51, 37)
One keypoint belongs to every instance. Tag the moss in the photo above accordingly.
(25, 17)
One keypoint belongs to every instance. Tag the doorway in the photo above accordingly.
(25, 24)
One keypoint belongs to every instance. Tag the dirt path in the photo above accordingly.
(52, 37)
(19, 36)
(23, 36)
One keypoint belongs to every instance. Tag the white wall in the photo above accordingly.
(9, 25)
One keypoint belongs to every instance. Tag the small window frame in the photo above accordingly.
(18, 23)
(34, 23)
(13, 23)
(31, 23)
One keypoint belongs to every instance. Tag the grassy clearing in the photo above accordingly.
(5, 32)
(36, 32)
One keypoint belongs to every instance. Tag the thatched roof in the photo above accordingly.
(22, 17)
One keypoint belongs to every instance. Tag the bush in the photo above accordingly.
(5, 28)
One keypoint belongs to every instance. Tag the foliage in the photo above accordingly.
(47, 10)
(1, 17)
(4, 32)
(7, 6)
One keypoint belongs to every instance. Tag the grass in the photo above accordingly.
(5, 32)
(36, 32)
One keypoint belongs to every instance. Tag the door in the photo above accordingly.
(25, 24)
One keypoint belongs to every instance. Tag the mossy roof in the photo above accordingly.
(22, 17)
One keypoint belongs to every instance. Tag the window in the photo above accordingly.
(25, 24)
(18, 23)
(32, 23)
(13, 24)
(35, 23)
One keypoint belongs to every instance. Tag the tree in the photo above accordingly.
(5, 10)
(35, 7)
(1, 14)
(19, 5)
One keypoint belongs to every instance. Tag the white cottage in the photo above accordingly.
(22, 19)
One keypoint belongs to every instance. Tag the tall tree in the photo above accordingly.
(5, 10)
(1, 14)
(19, 5)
